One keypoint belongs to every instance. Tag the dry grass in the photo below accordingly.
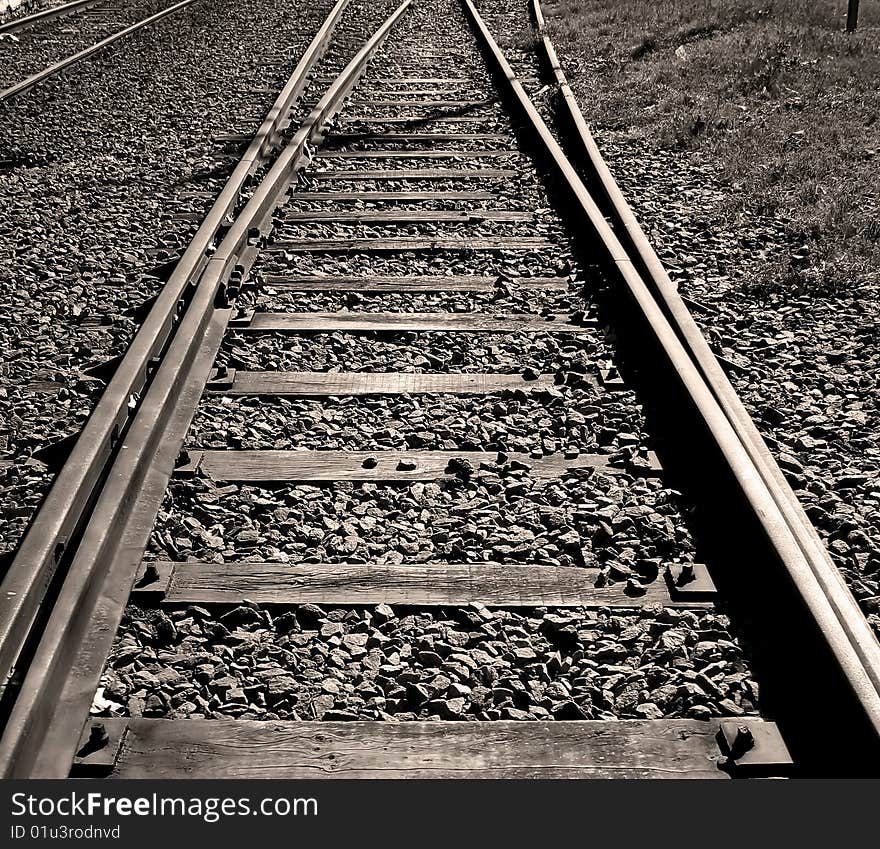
(773, 92)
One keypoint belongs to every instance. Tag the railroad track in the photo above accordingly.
(377, 461)
(50, 12)
(42, 45)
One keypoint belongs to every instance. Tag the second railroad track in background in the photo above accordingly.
(414, 470)
(39, 46)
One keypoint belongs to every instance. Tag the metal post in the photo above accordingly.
(852, 15)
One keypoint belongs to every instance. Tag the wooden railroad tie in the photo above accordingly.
(240, 748)
(407, 216)
(412, 174)
(367, 322)
(410, 80)
(427, 104)
(419, 120)
(411, 243)
(416, 154)
(279, 466)
(430, 93)
(348, 138)
(392, 197)
(415, 585)
(328, 384)
(411, 283)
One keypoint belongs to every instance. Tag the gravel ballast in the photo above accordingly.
(509, 421)
(382, 663)
(424, 351)
(626, 526)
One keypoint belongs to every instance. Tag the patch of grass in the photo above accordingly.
(772, 92)
(793, 276)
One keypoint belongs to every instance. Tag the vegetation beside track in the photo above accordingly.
(773, 93)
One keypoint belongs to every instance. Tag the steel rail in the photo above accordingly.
(849, 656)
(46, 15)
(36, 79)
(42, 732)
(25, 584)
(833, 586)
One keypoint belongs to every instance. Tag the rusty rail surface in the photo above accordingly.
(62, 514)
(42, 732)
(794, 540)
